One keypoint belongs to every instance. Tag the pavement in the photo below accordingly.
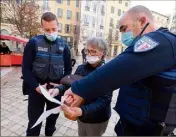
(14, 117)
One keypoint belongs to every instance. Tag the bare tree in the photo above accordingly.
(23, 14)
(116, 35)
(110, 38)
(74, 33)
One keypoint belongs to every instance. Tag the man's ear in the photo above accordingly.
(143, 21)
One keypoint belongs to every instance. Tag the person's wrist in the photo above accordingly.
(37, 89)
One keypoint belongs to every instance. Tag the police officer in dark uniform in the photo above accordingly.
(145, 73)
(46, 60)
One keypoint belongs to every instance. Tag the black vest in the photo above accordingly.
(48, 65)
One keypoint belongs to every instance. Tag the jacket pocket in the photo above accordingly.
(56, 72)
(40, 71)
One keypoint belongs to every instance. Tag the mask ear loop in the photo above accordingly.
(144, 29)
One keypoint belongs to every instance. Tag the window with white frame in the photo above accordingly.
(59, 27)
(93, 21)
(60, 1)
(102, 10)
(86, 19)
(112, 9)
(69, 14)
(126, 4)
(119, 12)
(87, 5)
(77, 3)
(59, 13)
(68, 2)
(45, 5)
(94, 7)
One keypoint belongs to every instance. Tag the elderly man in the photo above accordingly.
(145, 73)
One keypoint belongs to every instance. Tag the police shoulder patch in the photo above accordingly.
(144, 44)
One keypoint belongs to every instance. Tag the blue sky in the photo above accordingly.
(162, 6)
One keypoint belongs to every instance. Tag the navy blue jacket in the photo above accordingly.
(28, 59)
(131, 67)
(95, 110)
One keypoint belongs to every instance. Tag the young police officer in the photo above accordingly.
(145, 73)
(46, 60)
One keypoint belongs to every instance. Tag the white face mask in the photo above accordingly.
(92, 59)
(52, 36)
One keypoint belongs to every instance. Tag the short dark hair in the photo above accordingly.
(48, 16)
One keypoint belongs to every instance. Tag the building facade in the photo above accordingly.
(92, 18)
(172, 22)
(92, 21)
(115, 9)
(68, 15)
(160, 19)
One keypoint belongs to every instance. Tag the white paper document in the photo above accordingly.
(47, 113)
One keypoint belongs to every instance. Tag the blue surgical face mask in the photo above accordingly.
(127, 38)
(52, 36)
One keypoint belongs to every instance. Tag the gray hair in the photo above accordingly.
(99, 43)
(139, 9)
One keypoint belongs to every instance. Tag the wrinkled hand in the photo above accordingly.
(38, 88)
(53, 92)
(77, 100)
(71, 113)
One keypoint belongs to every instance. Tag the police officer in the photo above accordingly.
(145, 73)
(46, 60)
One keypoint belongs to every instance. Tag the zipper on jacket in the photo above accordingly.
(49, 63)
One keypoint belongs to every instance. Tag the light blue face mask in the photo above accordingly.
(127, 38)
(52, 36)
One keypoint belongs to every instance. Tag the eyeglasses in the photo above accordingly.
(92, 52)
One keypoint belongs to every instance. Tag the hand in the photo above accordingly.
(71, 112)
(68, 100)
(77, 100)
(38, 88)
(53, 92)
(54, 84)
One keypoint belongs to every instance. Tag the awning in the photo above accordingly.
(12, 38)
